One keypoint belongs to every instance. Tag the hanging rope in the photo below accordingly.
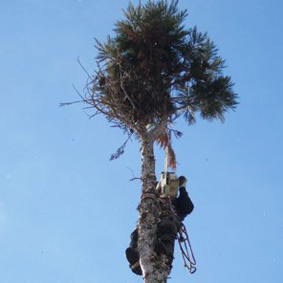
(186, 249)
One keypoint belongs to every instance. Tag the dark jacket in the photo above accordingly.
(183, 204)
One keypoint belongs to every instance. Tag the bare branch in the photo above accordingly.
(124, 91)
(69, 103)
(134, 178)
(84, 69)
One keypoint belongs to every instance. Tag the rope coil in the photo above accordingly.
(186, 249)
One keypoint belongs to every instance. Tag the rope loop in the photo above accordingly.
(186, 249)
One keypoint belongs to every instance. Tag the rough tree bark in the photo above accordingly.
(154, 267)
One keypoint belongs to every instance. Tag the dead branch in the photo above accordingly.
(84, 69)
(134, 178)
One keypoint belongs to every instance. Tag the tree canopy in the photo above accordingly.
(154, 68)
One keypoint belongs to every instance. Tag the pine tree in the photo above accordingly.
(152, 72)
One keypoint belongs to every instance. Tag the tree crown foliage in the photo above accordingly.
(154, 70)
(154, 67)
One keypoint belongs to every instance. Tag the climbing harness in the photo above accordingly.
(186, 249)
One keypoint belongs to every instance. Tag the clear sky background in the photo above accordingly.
(66, 211)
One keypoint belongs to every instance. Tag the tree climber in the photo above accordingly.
(173, 211)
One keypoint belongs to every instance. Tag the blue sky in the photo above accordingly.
(66, 212)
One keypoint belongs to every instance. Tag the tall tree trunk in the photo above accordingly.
(154, 267)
